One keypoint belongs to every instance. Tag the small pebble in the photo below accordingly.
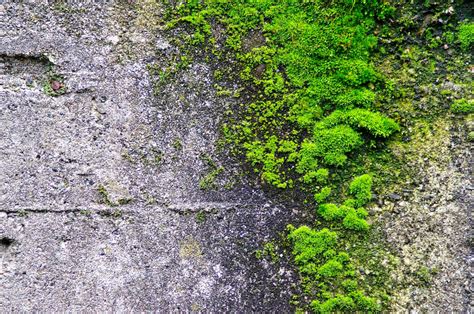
(395, 196)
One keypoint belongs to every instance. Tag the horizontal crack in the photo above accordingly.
(180, 208)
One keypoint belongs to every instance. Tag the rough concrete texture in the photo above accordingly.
(99, 186)
(429, 226)
(100, 204)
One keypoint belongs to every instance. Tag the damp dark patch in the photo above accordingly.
(25, 65)
(6, 242)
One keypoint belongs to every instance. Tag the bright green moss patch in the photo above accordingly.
(362, 119)
(323, 195)
(351, 218)
(332, 145)
(311, 67)
(351, 302)
(361, 189)
(466, 35)
(327, 271)
(463, 106)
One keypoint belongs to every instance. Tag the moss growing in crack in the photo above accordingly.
(201, 217)
(208, 182)
(85, 212)
(54, 84)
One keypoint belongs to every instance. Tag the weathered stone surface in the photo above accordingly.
(99, 186)
(430, 231)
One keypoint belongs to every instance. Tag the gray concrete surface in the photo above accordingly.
(68, 162)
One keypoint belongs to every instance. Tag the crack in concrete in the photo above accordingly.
(180, 208)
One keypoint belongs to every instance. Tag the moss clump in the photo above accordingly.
(351, 302)
(328, 272)
(352, 219)
(332, 145)
(463, 106)
(361, 188)
(54, 84)
(466, 35)
(323, 195)
(201, 217)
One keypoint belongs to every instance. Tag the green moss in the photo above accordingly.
(424, 274)
(332, 212)
(361, 188)
(333, 144)
(335, 75)
(323, 195)
(104, 194)
(67, 9)
(354, 302)
(316, 113)
(201, 217)
(331, 268)
(85, 212)
(353, 221)
(470, 136)
(466, 35)
(208, 182)
(177, 144)
(327, 271)
(463, 106)
(105, 197)
(312, 110)
(269, 252)
(54, 84)
(310, 244)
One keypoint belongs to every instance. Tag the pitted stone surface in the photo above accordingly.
(100, 204)
(99, 186)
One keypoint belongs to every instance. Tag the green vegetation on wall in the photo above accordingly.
(466, 35)
(313, 107)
